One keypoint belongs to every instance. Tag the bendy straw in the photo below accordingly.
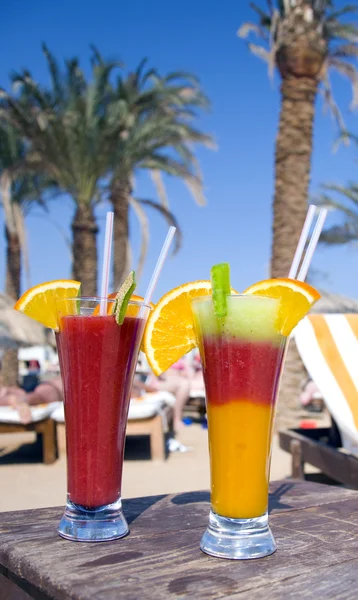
(302, 241)
(312, 245)
(160, 262)
(106, 263)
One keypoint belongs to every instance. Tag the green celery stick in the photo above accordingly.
(221, 288)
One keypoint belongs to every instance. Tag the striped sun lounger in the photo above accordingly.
(328, 346)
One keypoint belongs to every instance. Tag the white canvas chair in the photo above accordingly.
(328, 346)
(38, 412)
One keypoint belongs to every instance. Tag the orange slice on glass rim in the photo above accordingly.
(169, 333)
(296, 299)
(39, 302)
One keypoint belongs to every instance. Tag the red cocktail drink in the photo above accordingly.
(98, 359)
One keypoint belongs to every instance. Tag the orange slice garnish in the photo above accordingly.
(39, 302)
(169, 333)
(296, 299)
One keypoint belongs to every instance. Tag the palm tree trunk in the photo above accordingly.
(293, 165)
(10, 363)
(84, 247)
(120, 194)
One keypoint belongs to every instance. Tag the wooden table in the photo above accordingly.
(316, 528)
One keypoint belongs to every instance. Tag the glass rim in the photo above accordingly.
(209, 297)
(98, 299)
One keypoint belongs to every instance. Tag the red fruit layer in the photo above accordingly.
(237, 369)
(98, 359)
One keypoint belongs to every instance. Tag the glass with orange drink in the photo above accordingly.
(242, 340)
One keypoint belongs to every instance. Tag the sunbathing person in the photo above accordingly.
(176, 380)
(197, 381)
(44, 393)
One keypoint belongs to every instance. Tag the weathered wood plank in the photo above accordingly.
(338, 465)
(161, 513)
(316, 528)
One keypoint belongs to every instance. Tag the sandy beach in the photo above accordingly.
(27, 483)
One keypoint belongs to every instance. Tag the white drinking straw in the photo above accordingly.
(302, 241)
(158, 267)
(312, 245)
(106, 263)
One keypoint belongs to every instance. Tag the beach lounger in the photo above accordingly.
(196, 403)
(42, 424)
(328, 346)
(153, 416)
(150, 416)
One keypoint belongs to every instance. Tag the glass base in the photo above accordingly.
(93, 525)
(238, 538)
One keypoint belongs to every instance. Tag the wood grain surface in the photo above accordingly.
(316, 528)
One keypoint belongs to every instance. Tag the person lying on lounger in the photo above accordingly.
(176, 380)
(44, 393)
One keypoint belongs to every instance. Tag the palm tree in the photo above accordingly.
(305, 40)
(17, 193)
(156, 135)
(83, 134)
(65, 128)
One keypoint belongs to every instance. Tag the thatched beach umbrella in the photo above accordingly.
(17, 329)
(6, 340)
(334, 303)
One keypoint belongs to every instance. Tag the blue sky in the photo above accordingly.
(200, 37)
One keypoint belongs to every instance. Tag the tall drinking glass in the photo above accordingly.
(242, 356)
(97, 361)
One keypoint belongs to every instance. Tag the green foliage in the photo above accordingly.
(63, 126)
(86, 134)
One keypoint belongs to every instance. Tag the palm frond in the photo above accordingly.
(160, 187)
(246, 28)
(336, 14)
(329, 101)
(55, 74)
(349, 71)
(350, 192)
(346, 232)
(5, 195)
(144, 232)
(339, 234)
(260, 52)
(169, 217)
(265, 19)
(21, 232)
(345, 51)
(96, 57)
(181, 75)
(334, 30)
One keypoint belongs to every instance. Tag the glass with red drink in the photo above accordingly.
(97, 360)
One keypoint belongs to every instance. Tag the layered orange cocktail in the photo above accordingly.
(241, 338)
(242, 356)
